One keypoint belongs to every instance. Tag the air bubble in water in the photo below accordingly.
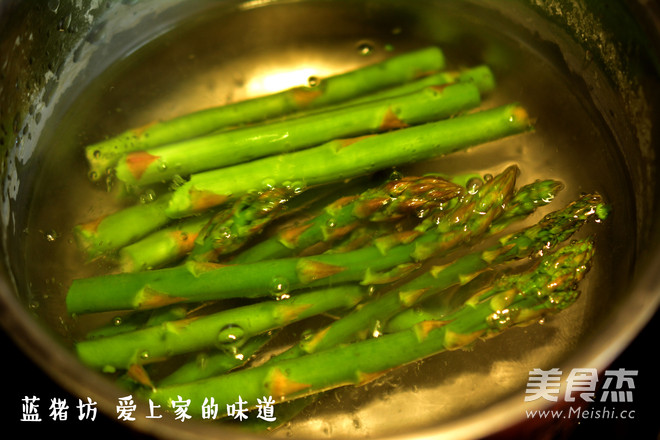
(269, 183)
(396, 175)
(148, 196)
(365, 48)
(230, 335)
(473, 185)
(297, 187)
(279, 287)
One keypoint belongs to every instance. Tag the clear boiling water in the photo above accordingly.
(200, 64)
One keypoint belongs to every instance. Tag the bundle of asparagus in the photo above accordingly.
(256, 238)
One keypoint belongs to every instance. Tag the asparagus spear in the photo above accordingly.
(396, 197)
(110, 232)
(513, 300)
(553, 229)
(138, 320)
(410, 318)
(525, 201)
(347, 158)
(331, 162)
(362, 324)
(407, 195)
(228, 230)
(177, 240)
(164, 246)
(396, 70)
(481, 76)
(218, 362)
(435, 307)
(387, 259)
(145, 167)
(227, 327)
(387, 202)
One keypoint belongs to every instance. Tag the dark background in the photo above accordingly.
(25, 378)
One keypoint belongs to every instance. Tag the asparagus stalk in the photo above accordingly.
(396, 70)
(481, 76)
(526, 201)
(346, 158)
(390, 201)
(145, 167)
(408, 319)
(512, 301)
(172, 243)
(228, 230)
(387, 259)
(218, 362)
(553, 229)
(167, 245)
(138, 320)
(223, 328)
(398, 189)
(436, 307)
(396, 197)
(328, 163)
(110, 232)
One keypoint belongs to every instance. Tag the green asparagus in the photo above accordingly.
(173, 242)
(145, 167)
(481, 76)
(396, 70)
(387, 202)
(221, 360)
(390, 257)
(223, 328)
(138, 320)
(362, 324)
(228, 230)
(554, 228)
(346, 158)
(513, 300)
(164, 246)
(331, 162)
(111, 232)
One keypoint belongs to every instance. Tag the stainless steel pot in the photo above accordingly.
(52, 52)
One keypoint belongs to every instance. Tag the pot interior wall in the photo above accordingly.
(167, 61)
